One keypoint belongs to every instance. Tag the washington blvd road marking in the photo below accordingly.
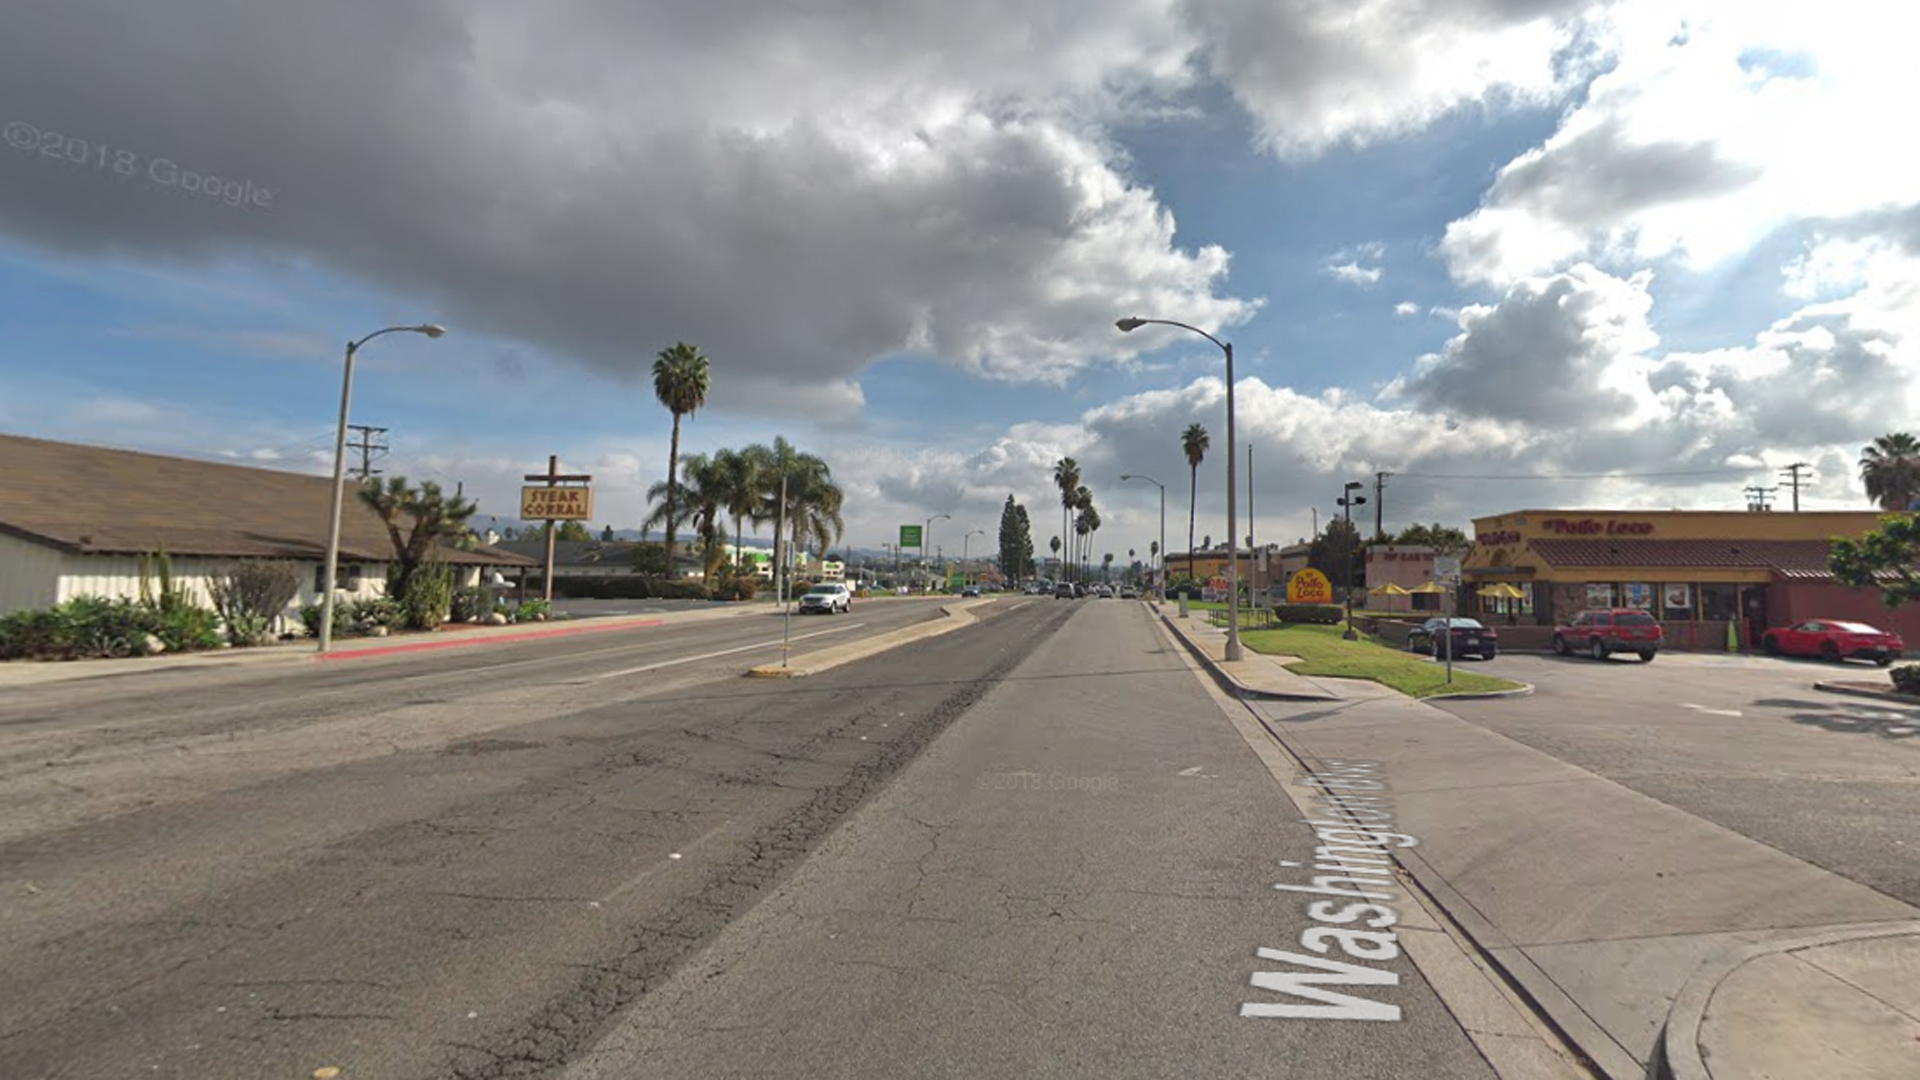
(1713, 712)
(1355, 856)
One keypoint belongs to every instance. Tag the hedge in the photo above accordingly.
(1327, 614)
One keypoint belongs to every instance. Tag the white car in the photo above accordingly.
(826, 599)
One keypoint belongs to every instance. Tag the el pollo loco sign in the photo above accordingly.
(1592, 527)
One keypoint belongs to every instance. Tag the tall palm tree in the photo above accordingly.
(698, 499)
(1082, 503)
(1890, 468)
(1066, 477)
(1054, 544)
(740, 480)
(1106, 567)
(1195, 443)
(814, 502)
(680, 382)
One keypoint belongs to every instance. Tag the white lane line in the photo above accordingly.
(1713, 712)
(1018, 606)
(724, 652)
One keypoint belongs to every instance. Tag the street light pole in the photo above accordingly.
(1129, 325)
(926, 531)
(340, 475)
(1163, 526)
(1348, 500)
(963, 555)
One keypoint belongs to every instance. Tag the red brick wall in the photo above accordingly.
(1795, 601)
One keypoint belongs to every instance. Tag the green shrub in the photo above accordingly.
(186, 628)
(1326, 614)
(342, 617)
(468, 605)
(740, 587)
(371, 611)
(96, 626)
(1906, 678)
(250, 595)
(33, 634)
(680, 590)
(429, 597)
(532, 611)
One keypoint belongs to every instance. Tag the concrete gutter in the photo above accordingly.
(953, 617)
(1856, 690)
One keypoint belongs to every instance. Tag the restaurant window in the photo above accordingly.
(1599, 596)
(1637, 594)
(1676, 601)
(1719, 603)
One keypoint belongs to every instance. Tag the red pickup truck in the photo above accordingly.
(1603, 631)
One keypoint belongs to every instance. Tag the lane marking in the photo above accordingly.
(1713, 712)
(1018, 606)
(491, 639)
(723, 652)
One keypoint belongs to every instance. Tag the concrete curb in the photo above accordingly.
(1526, 690)
(1854, 691)
(953, 617)
(1679, 1056)
(1226, 677)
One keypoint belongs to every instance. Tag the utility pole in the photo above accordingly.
(367, 448)
(1792, 473)
(1253, 571)
(1379, 504)
(1758, 497)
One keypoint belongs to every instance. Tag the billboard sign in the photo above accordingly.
(556, 503)
(1309, 586)
(1446, 570)
(910, 536)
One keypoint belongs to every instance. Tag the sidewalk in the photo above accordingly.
(301, 650)
(1658, 943)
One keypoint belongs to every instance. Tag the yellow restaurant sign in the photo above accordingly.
(556, 503)
(1309, 586)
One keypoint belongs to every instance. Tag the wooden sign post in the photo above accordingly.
(547, 504)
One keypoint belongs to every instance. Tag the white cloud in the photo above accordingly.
(1355, 274)
(1697, 145)
(1405, 309)
(1320, 73)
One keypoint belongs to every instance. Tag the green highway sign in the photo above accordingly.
(909, 536)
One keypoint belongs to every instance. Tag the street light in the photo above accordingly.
(340, 473)
(1347, 501)
(1128, 326)
(1163, 526)
(926, 531)
(963, 554)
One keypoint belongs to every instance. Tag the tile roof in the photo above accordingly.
(91, 499)
(1790, 558)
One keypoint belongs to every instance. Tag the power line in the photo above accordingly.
(1792, 473)
(1725, 471)
(368, 448)
(1758, 497)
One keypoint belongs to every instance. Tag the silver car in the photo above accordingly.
(826, 599)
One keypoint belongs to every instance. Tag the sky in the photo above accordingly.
(1514, 253)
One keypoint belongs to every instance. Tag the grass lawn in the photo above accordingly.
(1323, 652)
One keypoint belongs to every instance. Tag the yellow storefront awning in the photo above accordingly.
(1502, 591)
(1429, 587)
(1389, 589)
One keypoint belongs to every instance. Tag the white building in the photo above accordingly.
(76, 520)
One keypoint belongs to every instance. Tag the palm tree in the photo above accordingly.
(702, 497)
(1066, 477)
(1196, 443)
(740, 482)
(1082, 503)
(680, 382)
(1890, 468)
(814, 502)
(1106, 567)
(1054, 544)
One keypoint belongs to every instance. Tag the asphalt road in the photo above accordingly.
(1744, 742)
(618, 857)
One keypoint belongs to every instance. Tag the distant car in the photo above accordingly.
(1470, 637)
(971, 590)
(1604, 631)
(1835, 640)
(826, 599)
(1129, 593)
(1063, 591)
(1079, 589)
(1104, 592)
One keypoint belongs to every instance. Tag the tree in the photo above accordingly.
(417, 521)
(1054, 545)
(680, 379)
(1066, 477)
(1442, 538)
(702, 499)
(606, 535)
(1106, 567)
(650, 560)
(1339, 542)
(1882, 559)
(1083, 506)
(569, 532)
(1016, 541)
(1194, 442)
(814, 502)
(740, 472)
(1890, 469)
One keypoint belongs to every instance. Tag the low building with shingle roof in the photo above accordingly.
(77, 520)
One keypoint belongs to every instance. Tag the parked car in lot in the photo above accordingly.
(1470, 637)
(826, 598)
(1834, 639)
(1604, 631)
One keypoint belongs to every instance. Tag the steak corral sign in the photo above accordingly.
(1590, 527)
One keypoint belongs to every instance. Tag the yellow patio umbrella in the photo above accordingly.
(1389, 590)
(1429, 587)
(1502, 591)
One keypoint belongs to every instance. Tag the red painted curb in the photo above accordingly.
(529, 635)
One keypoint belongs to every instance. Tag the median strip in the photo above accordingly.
(953, 617)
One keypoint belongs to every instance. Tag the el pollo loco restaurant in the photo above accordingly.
(1689, 568)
